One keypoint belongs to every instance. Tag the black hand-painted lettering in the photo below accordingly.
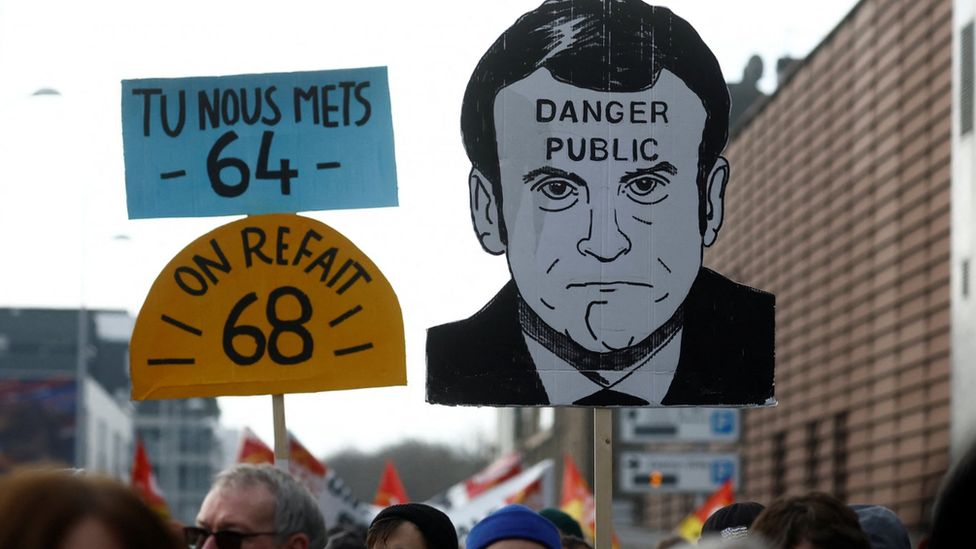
(328, 108)
(301, 97)
(284, 173)
(233, 330)
(347, 90)
(295, 326)
(216, 165)
(269, 99)
(146, 94)
(253, 249)
(367, 108)
(181, 117)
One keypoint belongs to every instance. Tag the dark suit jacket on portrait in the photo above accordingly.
(726, 351)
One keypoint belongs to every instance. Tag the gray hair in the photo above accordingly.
(295, 509)
(752, 541)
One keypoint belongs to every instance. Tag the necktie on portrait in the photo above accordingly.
(609, 397)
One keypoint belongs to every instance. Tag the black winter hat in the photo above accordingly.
(437, 528)
(733, 521)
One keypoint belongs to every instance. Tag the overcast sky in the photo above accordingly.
(66, 237)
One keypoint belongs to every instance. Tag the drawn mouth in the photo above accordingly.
(608, 286)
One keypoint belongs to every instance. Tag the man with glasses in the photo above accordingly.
(257, 507)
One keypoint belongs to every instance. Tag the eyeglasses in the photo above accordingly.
(226, 539)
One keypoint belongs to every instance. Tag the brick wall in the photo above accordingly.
(839, 204)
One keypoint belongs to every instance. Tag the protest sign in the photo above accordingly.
(269, 304)
(595, 140)
(258, 143)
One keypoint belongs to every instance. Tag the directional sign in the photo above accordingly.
(680, 424)
(672, 473)
(267, 304)
(258, 143)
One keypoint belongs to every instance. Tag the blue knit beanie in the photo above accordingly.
(514, 522)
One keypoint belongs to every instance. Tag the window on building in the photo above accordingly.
(779, 464)
(964, 278)
(547, 416)
(101, 452)
(840, 456)
(812, 449)
(117, 459)
(966, 80)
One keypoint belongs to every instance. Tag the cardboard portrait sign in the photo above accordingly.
(595, 131)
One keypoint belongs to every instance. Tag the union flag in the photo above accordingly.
(390, 491)
(577, 500)
(691, 526)
(144, 482)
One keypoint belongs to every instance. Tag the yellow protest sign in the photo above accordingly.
(264, 305)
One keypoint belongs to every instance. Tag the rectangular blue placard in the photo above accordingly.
(258, 143)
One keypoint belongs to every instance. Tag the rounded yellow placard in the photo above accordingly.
(265, 305)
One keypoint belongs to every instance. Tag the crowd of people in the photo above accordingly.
(261, 507)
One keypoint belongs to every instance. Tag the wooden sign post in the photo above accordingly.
(603, 475)
(281, 445)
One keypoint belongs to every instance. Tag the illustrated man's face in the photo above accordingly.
(600, 203)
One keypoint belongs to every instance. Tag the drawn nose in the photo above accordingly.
(605, 241)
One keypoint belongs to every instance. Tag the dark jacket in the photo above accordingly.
(727, 351)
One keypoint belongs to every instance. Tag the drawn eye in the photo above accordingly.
(646, 189)
(557, 193)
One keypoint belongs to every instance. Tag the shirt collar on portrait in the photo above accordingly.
(586, 360)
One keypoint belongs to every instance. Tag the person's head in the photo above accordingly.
(748, 542)
(672, 542)
(514, 527)
(732, 521)
(257, 507)
(594, 129)
(411, 526)
(882, 527)
(55, 509)
(340, 537)
(570, 541)
(953, 505)
(813, 521)
(568, 526)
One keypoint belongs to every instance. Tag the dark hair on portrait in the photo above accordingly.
(818, 518)
(600, 45)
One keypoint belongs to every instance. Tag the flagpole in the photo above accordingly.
(280, 432)
(603, 475)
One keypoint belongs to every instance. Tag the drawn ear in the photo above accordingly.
(485, 214)
(715, 197)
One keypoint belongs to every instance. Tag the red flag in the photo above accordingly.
(305, 467)
(144, 482)
(302, 458)
(390, 491)
(253, 449)
(499, 471)
(690, 527)
(577, 499)
(530, 496)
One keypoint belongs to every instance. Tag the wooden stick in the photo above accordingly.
(280, 432)
(603, 475)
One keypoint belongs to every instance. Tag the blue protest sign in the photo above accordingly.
(258, 143)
